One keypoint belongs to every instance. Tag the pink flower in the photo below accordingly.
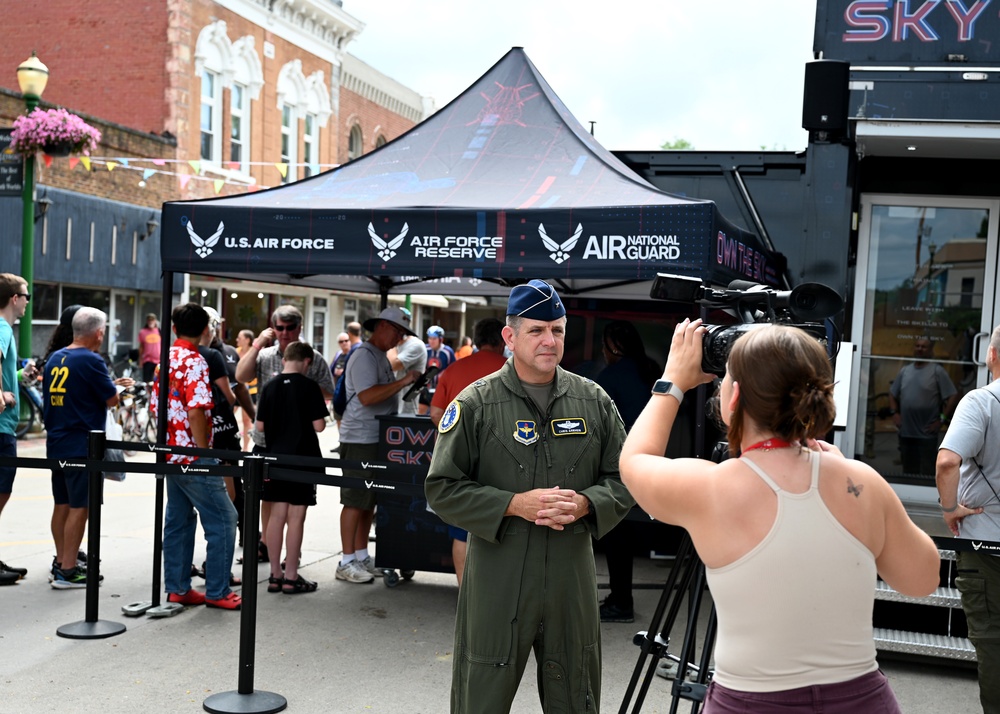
(44, 127)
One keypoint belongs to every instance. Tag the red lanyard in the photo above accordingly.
(767, 445)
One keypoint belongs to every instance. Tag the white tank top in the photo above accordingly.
(797, 609)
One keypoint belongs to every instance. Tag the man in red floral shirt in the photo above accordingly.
(189, 423)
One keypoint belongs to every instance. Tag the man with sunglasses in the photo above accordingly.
(263, 359)
(14, 299)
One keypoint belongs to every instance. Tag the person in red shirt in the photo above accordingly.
(189, 423)
(149, 347)
(488, 336)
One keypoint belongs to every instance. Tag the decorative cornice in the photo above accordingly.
(324, 22)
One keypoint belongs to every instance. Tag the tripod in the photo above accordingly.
(686, 580)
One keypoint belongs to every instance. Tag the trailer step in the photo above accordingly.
(919, 643)
(942, 597)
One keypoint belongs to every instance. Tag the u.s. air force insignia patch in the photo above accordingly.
(524, 431)
(573, 426)
(450, 417)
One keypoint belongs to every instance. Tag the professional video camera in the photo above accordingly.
(755, 305)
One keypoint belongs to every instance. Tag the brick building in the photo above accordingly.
(194, 98)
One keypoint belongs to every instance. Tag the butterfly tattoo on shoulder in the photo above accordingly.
(855, 489)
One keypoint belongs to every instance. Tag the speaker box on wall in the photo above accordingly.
(826, 96)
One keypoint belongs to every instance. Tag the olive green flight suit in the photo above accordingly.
(525, 586)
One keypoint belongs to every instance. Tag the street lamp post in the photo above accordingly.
(32, 77)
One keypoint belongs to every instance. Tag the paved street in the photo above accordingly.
(345, 648)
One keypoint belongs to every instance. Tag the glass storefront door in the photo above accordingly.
(925, 304)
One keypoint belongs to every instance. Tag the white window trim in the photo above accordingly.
(215, 101)
(243, 112)
(292, 131)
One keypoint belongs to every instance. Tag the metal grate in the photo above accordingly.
(919, 643)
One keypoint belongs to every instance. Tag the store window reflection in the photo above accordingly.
(923, 308)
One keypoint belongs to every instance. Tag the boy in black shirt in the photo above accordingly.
(290, 412)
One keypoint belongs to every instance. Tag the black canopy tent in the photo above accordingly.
(500, 186)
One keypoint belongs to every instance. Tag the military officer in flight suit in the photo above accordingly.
(527, 461)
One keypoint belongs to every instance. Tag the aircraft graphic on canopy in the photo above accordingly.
(500, 186)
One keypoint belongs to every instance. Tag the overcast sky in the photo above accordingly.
(722, 74)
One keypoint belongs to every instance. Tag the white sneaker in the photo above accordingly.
(369, 565)
(354, 572)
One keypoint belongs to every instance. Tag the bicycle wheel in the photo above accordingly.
(150, 432)
(126, 417)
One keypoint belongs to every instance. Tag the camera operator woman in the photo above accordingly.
(791, 533)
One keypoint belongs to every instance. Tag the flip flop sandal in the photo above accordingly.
(299, 585)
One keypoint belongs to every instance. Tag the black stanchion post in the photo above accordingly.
(246, 700)
(91, 628)
(158, 536)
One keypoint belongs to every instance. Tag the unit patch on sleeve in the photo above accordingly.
(569, 426)
(450, 417)
(524, 431)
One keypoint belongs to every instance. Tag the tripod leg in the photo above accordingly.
(653, 642)
(694, 689)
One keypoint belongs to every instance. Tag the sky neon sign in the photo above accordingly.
(901, 20)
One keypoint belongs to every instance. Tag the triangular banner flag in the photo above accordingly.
(219, 183)
(111, 165)
(159, 162)
(233, 165)
(47, 159)
(73, 161)
(282, 169)
(123, 162)
(85, 160)
(196, 165)
(184, 178)
(314, 169)
(146, 173)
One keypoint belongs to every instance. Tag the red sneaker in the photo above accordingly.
(232, 601)
(191, 597)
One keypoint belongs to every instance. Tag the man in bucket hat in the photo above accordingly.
(371, 392)
(526, 460)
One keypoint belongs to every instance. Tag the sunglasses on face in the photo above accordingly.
(284, 328)
(26, 296)
(342, 341)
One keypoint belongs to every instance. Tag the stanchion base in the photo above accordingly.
(167, 609)
(135, 609)
(84, 630)
(257, 702)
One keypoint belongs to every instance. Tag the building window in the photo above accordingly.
(239, 129)
(379, 141)
(45, 301)
(355, 143)
(310, 139)
(211, 116)
(289, 142)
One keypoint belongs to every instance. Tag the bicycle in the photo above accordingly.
(29, 405)
(135, 417)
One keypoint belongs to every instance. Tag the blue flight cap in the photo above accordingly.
(536, 300)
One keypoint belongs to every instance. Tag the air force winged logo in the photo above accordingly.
(203, 246)
(560, 251)
(387, 249)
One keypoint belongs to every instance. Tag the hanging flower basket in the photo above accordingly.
(55, 132)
